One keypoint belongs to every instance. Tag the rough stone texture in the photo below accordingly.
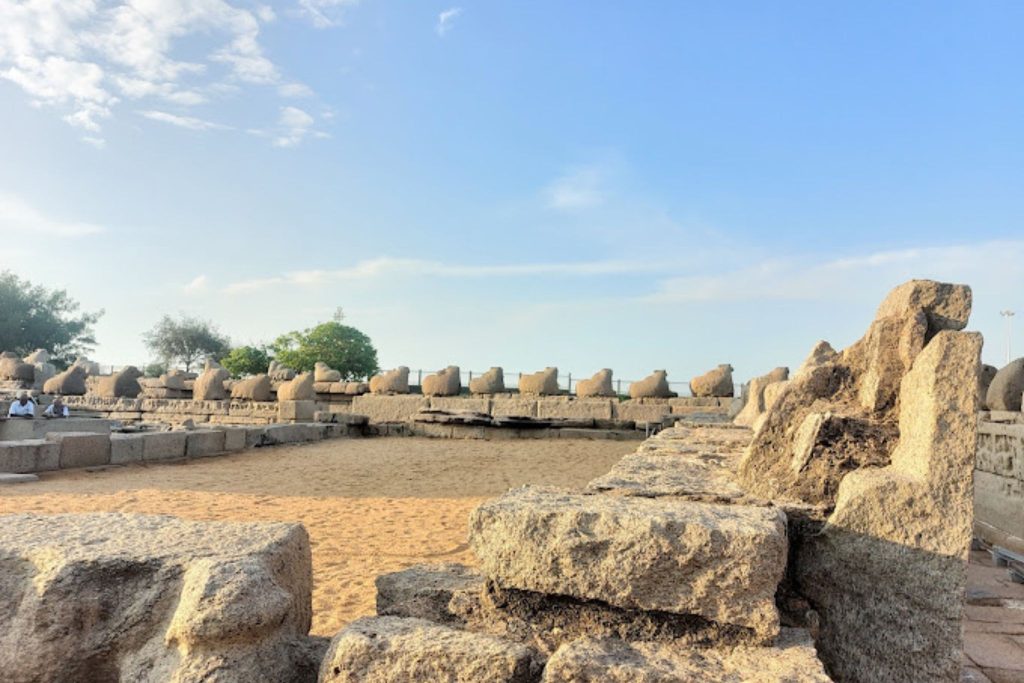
(698, 475)
(209, 386)
(754, 406)
(514, 407)
(163, 445)
(107, 597)
(122, 384)
(81, 449)
(280, 373)
(461, 404)
(1005, 389)
(427, 592)
(998, 502)
(608, 660)
(887, 573)
(202, 443)
(174, 379)
(71, 382)
(324, 373)
(255, 388)
(398, 650)
(234, 438)
(717, 382)
(37, 356)
(91, 368)
(721, 562)
(391, 382)
(769, 397)
(296, 411)
(568, 407)
(860, 389)
(29, 455)
(598, 385)
(389, 408)
(642, 412)
(543, 383)
(126, 448)
(15, 369)
(491, 382)
(985, 377)
(298, 389)
(6, 478)
(445, 383)
(820, 354)
(654, 385)
(356, 388)
(41, 374)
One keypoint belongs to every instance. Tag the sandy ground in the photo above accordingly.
(370, 505)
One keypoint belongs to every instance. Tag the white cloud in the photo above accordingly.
(446, 20)
(190, 122)
(294, 90)
(19, 219)
(392, 267)
(579, 188)
(323, 13)
(196, 285)
(295, 126)
(82, 57)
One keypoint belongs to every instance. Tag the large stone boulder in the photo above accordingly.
(717, 382)
(610, 660)
(42, 368)
(38, 356)
(71, 382)
(798, 455)
(543, 383)
(754, 406)
(299, 389)
(279, 372)
(115, 597)
(985, 377)
(122, 384)
(600, 385)
(209, 386)
(382, 649)
(255, 388)
(13, 368)
(447, 382)
(175, 379)
(391, 382)
(719, 562)
(323, 373)
(654, 385)
(887, 573)
(820, 354)
(91, 367)
(491, 382)
(1004, 392)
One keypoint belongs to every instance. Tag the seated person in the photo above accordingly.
(56, 409)
(23, 407)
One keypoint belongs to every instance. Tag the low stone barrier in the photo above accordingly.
(999, 485)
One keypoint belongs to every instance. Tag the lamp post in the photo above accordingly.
(1008, 314)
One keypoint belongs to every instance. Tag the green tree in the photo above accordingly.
(344, 348)
(185, 340)
(33, 317)
(246, 360)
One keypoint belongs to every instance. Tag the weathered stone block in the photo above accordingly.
(568, 407)
(165, 599)
(255, 437)
(384, 408)
(234, 438)
(427, 592)
(704, 476)
(126, 448)
(202, 443)
(642, 413)
(379, 649)
(296, 411)
(460, 403)
(514, 406)
(163, 445)
(999, 502)
(29, 455)
(81, 449)
(721, 562)
(592, 660)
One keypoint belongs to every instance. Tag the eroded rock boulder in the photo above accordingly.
(324, 373)
(654, 385)
(71, 382)
(1004, 392)
(600, 385)
(91, 368)
(209, 386)
(115, 597)
(175, 379)
(13, 368)
(491, 382)
(717, 382)
(391, 382)
(255, 388)
(985, 377)
(543, 383)
(447, 382)
(279, 372)
(754, 407)
(298, 389)
(122, 384)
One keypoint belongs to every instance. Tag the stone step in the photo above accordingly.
(720, 562)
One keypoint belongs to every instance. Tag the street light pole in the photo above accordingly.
(1008, 314)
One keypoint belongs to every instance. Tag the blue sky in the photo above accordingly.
(626, 185)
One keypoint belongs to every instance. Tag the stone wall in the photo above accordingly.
(999, 485)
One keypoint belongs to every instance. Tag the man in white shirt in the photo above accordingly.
(56, 409)
(23, 407)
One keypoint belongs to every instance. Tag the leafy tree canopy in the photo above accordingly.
(185, 340)
(33, 317)
(344, 348)
(246, 360)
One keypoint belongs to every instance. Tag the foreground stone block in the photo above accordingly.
(514, 407)
(126, 448)
(82, 449)
(380, 649)
(754, 406)
(113, 597)
(29, 455)
(382, 408)
(234, 438)
(642, 413)
(296, 411)
(888, 571)
(428, 591)
(203, 443)
(163, 445)
(702, 476)
(721, 562)
(592, 660)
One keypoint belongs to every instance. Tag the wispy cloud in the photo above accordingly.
(294, 90)
(190, 122)
(196, 285)
(579, 188)
(324, 13)
(18, 219)
(295, 126)
(386, 266)
(446, 20)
